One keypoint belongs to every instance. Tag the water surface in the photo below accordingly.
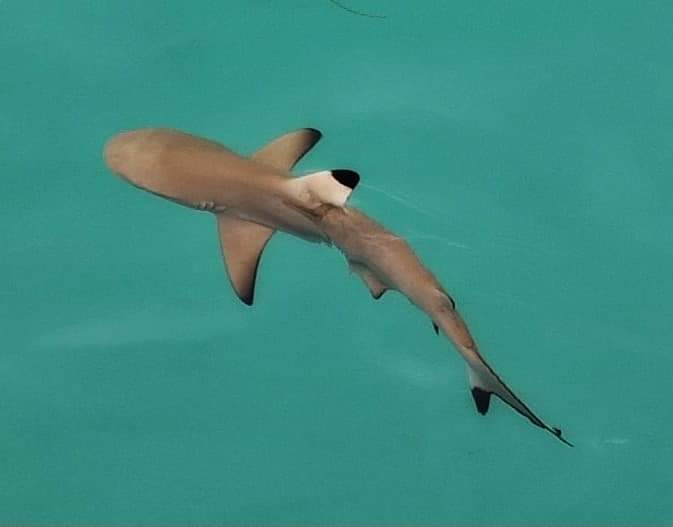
(524, 149)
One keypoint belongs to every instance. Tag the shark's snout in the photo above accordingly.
(117, 151)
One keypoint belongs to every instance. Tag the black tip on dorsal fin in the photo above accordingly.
(347, 178)
(482, 399)
(436, 328)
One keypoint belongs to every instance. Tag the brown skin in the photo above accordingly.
(188, 169)
(205, 175)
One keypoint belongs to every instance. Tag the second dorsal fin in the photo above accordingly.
(285, 151)
(242, 243)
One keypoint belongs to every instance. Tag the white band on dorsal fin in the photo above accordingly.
(332, 187)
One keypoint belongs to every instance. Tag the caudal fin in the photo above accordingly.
(484, 382)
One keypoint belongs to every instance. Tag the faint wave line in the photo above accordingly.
(400, 199)
(144, 326)
(354, 11)
(405, 202)
(445, 241)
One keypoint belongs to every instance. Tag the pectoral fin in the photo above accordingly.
(376, 287)
(242, 243)
(285, 151)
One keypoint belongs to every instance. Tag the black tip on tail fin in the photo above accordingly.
(436, 328)
(347, 178)
(559, 435)
(482, 399)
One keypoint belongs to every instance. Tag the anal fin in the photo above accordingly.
(375, 286)
(242, 243)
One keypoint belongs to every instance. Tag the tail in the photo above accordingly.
(484, 382)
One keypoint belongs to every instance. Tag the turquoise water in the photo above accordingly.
(526, 152)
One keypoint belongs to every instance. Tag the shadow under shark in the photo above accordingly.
(252, 198)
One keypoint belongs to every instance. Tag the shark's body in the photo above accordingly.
(254, 197)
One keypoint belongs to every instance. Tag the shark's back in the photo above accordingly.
(368, 244)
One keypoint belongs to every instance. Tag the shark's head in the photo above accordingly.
(146, 158)
(134, 156)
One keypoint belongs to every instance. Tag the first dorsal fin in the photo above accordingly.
(285, 151)
(331, 187)
(242, 243)
(376, 287)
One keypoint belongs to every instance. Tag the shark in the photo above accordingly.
(252, 197)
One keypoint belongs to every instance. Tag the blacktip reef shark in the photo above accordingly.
(253, 197)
